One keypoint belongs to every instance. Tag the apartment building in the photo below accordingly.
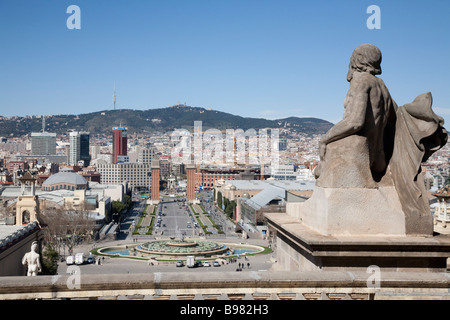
(138, 175)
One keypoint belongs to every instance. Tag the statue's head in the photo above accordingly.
(34, 246)
(365, 58)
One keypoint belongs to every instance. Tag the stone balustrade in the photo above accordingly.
(18, 234)
(254, 285)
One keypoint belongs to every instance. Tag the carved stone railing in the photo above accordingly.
(263, 285)
(18, 234)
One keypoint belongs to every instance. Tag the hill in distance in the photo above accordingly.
(151, 120)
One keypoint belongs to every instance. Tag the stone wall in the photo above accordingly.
(11, 254)
(255, 285)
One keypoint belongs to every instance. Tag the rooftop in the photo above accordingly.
(262, 184)
(65, 177)
(268, 194)
(444, 192)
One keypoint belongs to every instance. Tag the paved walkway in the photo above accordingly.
(198, 213)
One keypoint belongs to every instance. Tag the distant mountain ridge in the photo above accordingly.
(151, 120)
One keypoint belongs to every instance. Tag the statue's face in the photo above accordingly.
(34, 247)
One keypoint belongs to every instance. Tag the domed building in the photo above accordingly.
(66, 179)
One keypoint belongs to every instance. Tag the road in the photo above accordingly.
(130, 219)
(175, 220)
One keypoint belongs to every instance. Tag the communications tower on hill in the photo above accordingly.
(114, 96)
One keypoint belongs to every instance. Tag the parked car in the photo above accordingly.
(216, 264)
(206, 264)
(180, 263)
(90, 259)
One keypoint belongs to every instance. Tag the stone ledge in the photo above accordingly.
(257, 283)
(426, 253)
(314, 238)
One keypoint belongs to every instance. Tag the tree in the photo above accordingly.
(118, 207)
(128, 200)
(64, 228)
(49, 260)
(219, 199)
(229, 209)
(226, 202)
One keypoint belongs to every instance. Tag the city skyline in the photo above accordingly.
(255, 58)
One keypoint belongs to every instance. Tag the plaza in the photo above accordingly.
(177, 227)
(121, 265)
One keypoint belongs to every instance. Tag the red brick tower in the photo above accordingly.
(190, 188)
(119, 142)
(155, 181)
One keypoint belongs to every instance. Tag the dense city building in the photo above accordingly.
(138, 175)
(120, 143)
(66, 179)
(145, 155)
(207, 177)
(79, 148)
(43, 143)
(254, 197)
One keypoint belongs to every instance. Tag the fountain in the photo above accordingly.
(182, 248)
(179, 248)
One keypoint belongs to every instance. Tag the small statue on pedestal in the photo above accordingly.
(32, 260)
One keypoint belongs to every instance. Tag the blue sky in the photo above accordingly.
(256, 58)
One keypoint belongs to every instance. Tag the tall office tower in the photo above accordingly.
(74, 148)
(84, 148)
(43, 143)
(119, 142)
(79, 148)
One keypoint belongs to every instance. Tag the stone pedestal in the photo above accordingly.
(354, 228)
(352, 211)
(153, 202)
(300, 248)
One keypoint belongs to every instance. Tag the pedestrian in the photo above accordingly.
(248, 265)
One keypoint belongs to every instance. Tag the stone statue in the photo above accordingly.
(419, 132)
(369, 206)
(32, 260)
(368, 178)
(355, 152)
